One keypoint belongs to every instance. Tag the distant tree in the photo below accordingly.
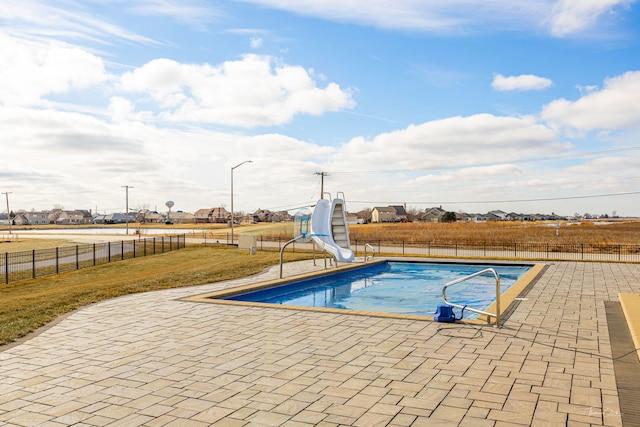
(448, 217)
(365, 215)
(412, 213)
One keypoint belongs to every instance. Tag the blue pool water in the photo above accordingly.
(392, 287)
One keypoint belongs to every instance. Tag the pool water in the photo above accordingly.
(393, 287)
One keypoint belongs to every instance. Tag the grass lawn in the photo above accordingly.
(29, 304)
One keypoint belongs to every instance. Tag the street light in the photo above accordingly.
(236, 166)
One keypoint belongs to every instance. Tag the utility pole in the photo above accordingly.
(322, 175)
(126, 215)
(6, 194)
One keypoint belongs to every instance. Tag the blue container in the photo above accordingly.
(444, 313)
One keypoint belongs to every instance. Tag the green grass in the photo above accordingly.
(30, 304)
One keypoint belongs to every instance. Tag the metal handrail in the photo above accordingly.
(487, 270)
(284, 246)
(373, 250)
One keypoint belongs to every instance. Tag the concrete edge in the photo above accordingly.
(630, 304)
(215, 297)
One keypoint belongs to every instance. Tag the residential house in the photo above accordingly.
(262, 215)
(500, 214)
(37, 218)
(401, 213)
(203, 216)
(384, 214)
(214, 215)
(69, 218)
(433, 214)
(220, 215)
(280, 216)
(146, 216)
(180, 217)
(20, 219)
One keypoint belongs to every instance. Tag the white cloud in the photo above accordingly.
(571, 16)
(30, 70)
(193, 13)
(256, 42)
(250, 92)
(453, 142)
(35, 19)
(520, 83)
(615, 106)
(560, 17)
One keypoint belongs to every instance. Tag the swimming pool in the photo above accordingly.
(407, 288)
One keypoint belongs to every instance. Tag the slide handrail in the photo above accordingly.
(496, 315)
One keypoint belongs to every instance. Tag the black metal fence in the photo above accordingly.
(515, 250)
(532, 251)
(23, 265)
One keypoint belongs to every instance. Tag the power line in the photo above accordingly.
(426, 202)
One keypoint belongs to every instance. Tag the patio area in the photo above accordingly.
(154, 360)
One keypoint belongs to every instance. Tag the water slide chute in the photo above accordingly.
(330, 230)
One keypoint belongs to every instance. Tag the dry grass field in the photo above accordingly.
(597, 233)
(588, 232)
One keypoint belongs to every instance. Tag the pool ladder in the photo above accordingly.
(373, 252)
(496, 315)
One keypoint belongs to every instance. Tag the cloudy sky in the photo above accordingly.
(472, 105)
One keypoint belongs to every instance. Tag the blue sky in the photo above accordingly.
(501, 104)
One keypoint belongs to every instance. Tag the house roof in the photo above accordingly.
(400, 210)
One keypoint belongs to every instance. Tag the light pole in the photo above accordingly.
(232, 168)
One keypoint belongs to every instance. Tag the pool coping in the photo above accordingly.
(507, 297)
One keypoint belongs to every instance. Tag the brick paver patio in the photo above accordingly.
(152, 360)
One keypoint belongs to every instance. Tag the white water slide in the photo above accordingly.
(330, 230)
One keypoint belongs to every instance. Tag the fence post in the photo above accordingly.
(57, 265)
(134, 248)
(77, 258)
(144, 247)
(94, 254)
(108, 251)
(582, 250)
(6, 267)
(515, 250)
(403, 247)
(162, 240)
(170, 240)
(33, 263)
(619, 252)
